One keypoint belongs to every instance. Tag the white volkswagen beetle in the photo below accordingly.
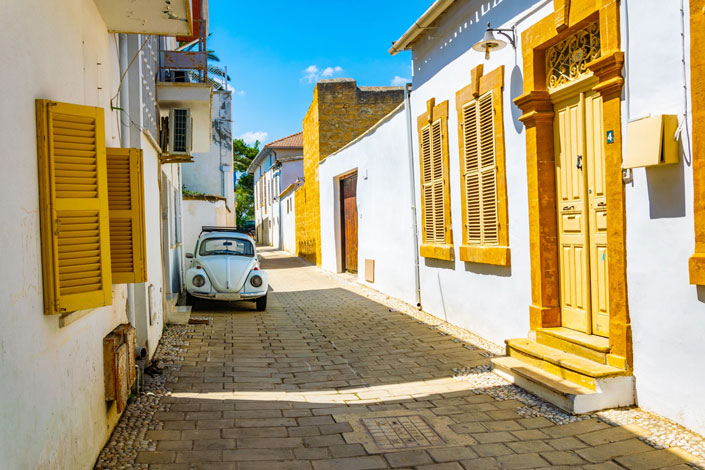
(225, 266)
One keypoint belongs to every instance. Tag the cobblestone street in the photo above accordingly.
(327, 378)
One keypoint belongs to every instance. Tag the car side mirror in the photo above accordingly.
(189, 255)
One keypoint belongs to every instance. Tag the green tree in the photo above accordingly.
(243, 155)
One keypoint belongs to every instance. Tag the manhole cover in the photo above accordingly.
(400, 432)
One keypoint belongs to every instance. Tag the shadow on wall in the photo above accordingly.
(666, 188)
(516, 89)
(488, 269)
(456, 37)
(701, 293)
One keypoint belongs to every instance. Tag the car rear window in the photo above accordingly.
(226, 246)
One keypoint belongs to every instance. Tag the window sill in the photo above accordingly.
(696, 269)
(437, 251)
(497, 255)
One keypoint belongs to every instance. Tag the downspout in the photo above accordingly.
(124, 119)
(412, 187)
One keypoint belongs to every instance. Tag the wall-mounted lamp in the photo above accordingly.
(491, 43)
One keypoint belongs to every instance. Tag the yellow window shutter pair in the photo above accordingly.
(126, 207)
(74, 207)
(480, 177)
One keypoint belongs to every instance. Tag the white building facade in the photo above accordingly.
(79, 108)
(208, 185)
(501, 265)
(277, 166)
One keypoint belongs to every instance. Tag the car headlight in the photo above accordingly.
(256, 281)
(198, 280)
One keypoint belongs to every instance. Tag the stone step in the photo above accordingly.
(576, 369)
(612, 392)
(591, 347)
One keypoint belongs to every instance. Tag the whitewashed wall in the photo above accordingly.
(212, 172)
(288, 222)
(667, 313)
(490, 300)
(52, 405)
(198, 213)
(385, 227)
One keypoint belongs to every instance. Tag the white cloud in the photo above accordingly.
(312, 73)
(399, 81)
(239, 92)
(330, 71)
(250, 137)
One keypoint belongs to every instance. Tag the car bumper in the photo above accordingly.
(227, 296)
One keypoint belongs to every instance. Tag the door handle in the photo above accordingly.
(579, 162)
(602, 204)
(568, 208)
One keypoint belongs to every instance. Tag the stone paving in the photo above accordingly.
(329, 379)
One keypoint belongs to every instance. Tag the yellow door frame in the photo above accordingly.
(570, 16)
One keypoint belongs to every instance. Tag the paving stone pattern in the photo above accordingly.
(271, 390)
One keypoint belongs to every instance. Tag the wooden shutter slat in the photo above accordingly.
(126, 205)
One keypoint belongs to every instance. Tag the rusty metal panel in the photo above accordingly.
(123, 389)
(110, 345)
(184, 60)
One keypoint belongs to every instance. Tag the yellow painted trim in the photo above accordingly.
(619, 362)
(433, 250)
(537, 109)
(696, 264)
(497, 255)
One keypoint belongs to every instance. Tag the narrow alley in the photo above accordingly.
(327, 378)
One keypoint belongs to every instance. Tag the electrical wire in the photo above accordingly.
(122, 78)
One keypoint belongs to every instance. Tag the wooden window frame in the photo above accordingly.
(480, 85)
(443, 251)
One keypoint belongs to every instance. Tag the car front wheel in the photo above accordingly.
(261, 304)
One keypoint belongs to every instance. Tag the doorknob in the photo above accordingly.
(579, 162)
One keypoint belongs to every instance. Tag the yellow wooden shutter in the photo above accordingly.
(427, 183)
(473, 220)
(480, 172)
(488, 171)
(439, 227)
(126, 205)
(73, 207)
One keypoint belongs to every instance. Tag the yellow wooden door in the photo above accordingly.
(569, 141)
(582, 211)
(597, 214)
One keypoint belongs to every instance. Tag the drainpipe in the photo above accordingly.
(124, 119)
(412, 187)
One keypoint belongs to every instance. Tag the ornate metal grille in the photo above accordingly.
(567, 61)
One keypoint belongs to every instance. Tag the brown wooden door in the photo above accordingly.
(348, 221)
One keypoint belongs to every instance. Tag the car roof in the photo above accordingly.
(219, 234)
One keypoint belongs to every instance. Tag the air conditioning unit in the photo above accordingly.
(180, 130)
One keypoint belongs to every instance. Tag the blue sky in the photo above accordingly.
(275, 53)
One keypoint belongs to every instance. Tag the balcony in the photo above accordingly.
(160, 17)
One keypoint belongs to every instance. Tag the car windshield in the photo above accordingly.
(226, 246)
